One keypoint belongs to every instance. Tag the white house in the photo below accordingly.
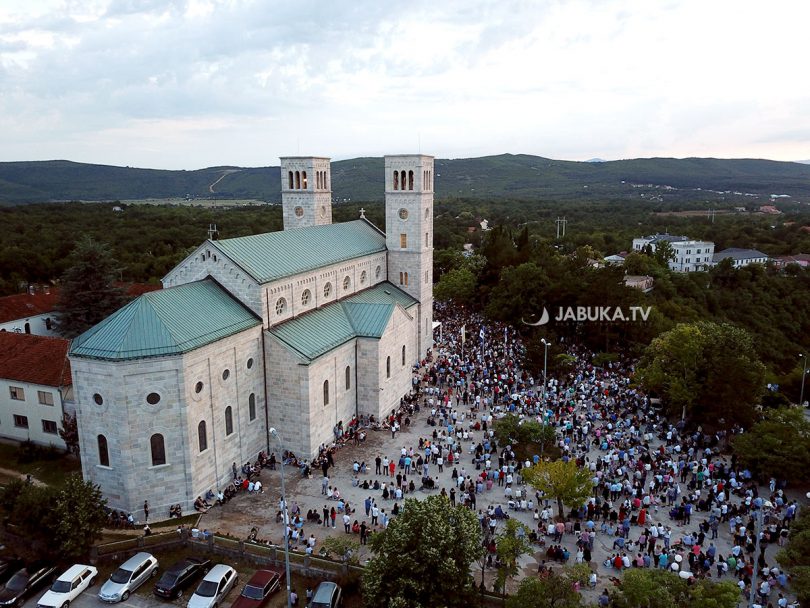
(29, 313)
(35, 388)
(740, 257)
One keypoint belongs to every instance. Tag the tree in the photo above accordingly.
(553, 591)
(795, 557)
(564, 481)
(87, 292)
(63, 521)
(77, 516)
(709, 371)
(423, 558)
(721, 594)
(641, 588)
(512, 430)
(511, 544)
(776, 446)
(70, 433)
(457, 285)
(664, 253)
(663, 589)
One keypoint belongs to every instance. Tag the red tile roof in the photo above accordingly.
(35, 359)
(24, 305)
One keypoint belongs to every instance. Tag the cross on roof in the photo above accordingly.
(362, 213)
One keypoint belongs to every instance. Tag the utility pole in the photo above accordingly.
(561, 222)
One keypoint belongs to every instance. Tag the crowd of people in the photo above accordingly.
(663, 497)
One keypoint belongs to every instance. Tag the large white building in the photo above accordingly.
(299, 329)
(689, 255)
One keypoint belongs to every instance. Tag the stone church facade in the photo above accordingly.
(299, 329)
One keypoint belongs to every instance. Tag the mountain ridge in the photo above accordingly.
(518, 176)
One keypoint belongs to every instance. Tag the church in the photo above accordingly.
(299, 330)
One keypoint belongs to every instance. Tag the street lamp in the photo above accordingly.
(275, 435)
(546, 344)
(804, 375)
(758, 531)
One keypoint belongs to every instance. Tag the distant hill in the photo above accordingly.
(518, 176)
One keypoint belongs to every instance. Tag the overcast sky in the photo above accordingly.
(189, 84)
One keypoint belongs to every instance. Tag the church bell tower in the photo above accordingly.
(306, 191)
(409, 233)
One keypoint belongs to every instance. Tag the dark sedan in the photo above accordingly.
(8, 566)
(180, 577)
(26, 582)
(258, 590)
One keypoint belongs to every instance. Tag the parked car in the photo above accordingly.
(8, 566)
(181, 576)
(214, 587)
(130, 575)
(68, 586)
(25, 582)
(327, 595)
(258, 590)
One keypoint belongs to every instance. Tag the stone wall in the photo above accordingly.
(128, 420)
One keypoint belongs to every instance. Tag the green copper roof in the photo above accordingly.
(274, 255)
(166, 322)
(364, 314)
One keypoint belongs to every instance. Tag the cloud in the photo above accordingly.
(208, 82)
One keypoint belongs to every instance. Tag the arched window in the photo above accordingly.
(252, 406)
(27, 328)
(403, 354)
(347, 282)
(304, 180)
(396, 180)
(202, 436)
(402, 179)
(290, 178)
(318, 179)
(363, 278)
(401, 278)
(348, 377)
(327, 290)
(406, 279)
(410, 180)
(103, 452)
(228, 420)
(158, 449)
(297, 180)
(281, 306)
(377, 272)
(305, 297)
(326, 392)
(388, 367)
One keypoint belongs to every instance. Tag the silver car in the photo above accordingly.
(214, 587)
(132, 574)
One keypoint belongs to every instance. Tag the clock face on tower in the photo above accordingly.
(299, 211)
(403, 214)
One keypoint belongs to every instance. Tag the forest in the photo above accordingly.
(521, 251)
